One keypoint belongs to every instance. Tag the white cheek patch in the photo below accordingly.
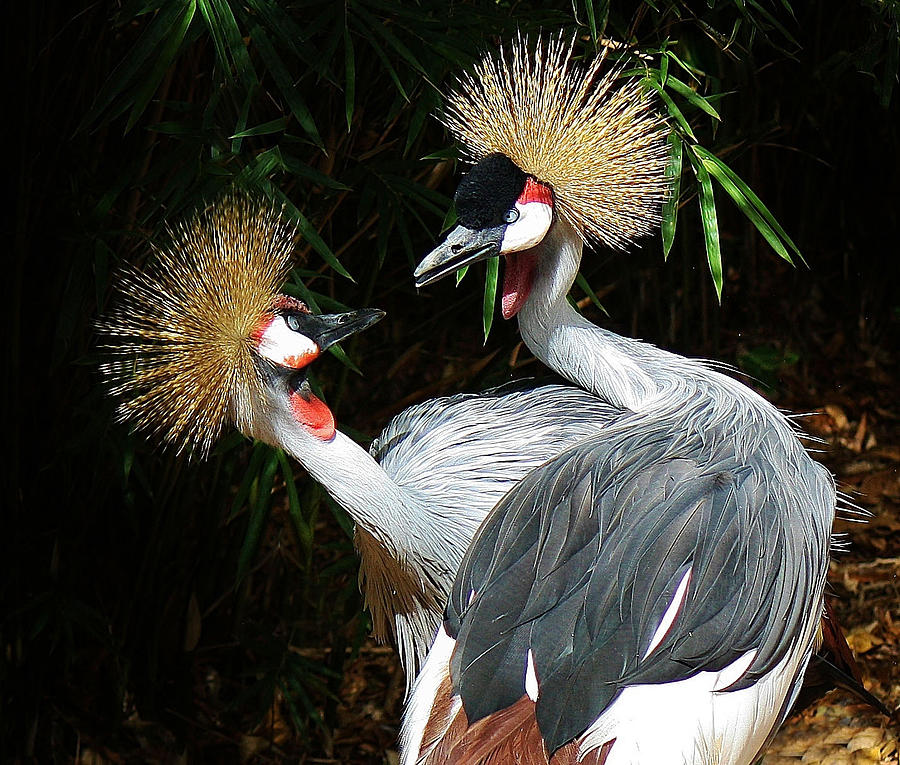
(531, 227)
(285, 347)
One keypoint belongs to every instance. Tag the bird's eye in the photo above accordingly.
(511, 216)
(292, 321)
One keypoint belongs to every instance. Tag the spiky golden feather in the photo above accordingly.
(599, 145)
(180, 334)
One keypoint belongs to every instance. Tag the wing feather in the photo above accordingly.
(581, 560)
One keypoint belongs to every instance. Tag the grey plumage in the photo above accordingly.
(455, 457)
(446, 447)
(203, 338)
(573, 566)
(654, 591)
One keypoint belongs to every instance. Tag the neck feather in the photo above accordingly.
(627, 373)
(599, 361)
(349, 474)
(408, 549)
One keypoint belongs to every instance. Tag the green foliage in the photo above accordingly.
(765, 363)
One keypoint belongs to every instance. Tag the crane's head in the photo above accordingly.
(288, 340)
(501, 211)
(550, 142)
(201, 335)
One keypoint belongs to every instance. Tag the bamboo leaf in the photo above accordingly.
(285, 85)
(266, 128)
(424, 107)
(349, 76)
(589, 291)
(460, 274)
(295, 38)
(304, 532)
(241, 124)
(259, 514)
(710, 225)
(263, 165)
(341, 355)
(592, 20)
(768, 16)
(754, 201)
(670, 206)
(389, 67)
(691, 71)
(390, 38)
(306, 294)
(235, 42)
(490, 295)
(311, 235)
(715, 170)
(693, 97)
(149, 43)
(671, 107)
(215, 32)
(256, 459)
(299, 168)
(162, 63)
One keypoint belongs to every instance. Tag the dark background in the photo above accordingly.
(155, 607)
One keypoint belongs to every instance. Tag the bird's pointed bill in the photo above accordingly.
(330, 328)
(462, 247)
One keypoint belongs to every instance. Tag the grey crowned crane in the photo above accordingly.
(202, 337)
(653, 594)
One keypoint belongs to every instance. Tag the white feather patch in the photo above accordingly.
(530, 228)
(671, 613)
(424, 691)
(531, 681)
(688, 721)
(285, 347)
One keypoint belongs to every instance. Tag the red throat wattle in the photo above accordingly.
(518, 276)
(313, 414)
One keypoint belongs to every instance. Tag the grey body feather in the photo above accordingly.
(465, 451)
(454, 458)
(580, 560)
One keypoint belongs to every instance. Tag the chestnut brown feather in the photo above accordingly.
(508, 737)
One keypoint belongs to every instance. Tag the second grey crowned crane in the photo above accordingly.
(651, 595)
(202, 338)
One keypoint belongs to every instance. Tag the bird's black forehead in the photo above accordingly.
(488, 190)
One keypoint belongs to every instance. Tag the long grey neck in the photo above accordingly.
(627, 373)
(612, 367)
(388, 512)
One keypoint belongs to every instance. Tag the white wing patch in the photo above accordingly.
(418, 708)
(531, 682)
(671, 613)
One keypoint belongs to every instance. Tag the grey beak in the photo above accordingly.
(462, 247)
(329, 328)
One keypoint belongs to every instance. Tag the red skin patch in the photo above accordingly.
(300, 361)
(313, 414)
(518, 277)
(260, 329)
(535, 192)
